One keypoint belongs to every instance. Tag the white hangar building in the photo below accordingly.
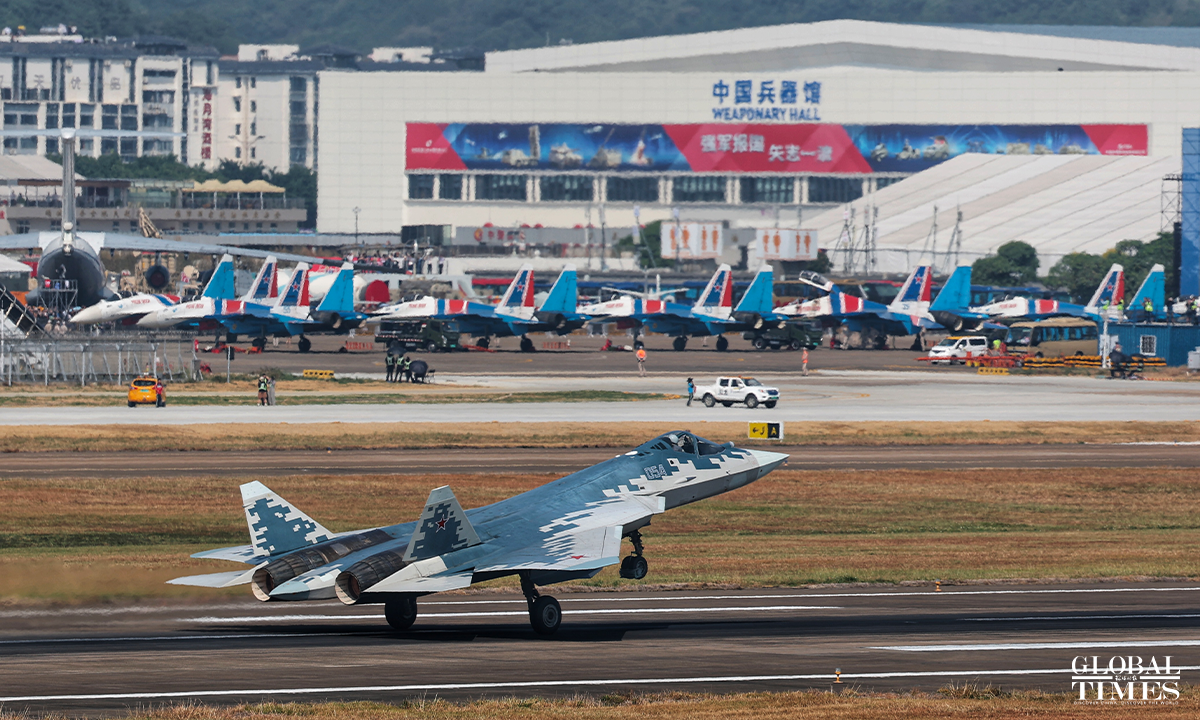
(765, 127)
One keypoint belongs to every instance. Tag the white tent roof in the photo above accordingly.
(836, 43)
(1059, 204)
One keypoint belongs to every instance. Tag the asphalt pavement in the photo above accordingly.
(93, 661)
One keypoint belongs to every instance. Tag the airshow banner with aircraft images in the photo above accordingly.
(746, 148)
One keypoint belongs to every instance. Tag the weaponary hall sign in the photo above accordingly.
(746, 148)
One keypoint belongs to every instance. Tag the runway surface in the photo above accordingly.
(841, 396)
(563, 461)
(97, 660)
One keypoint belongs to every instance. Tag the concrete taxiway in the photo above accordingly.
(260, 463)
(97, 660)
(834, 396)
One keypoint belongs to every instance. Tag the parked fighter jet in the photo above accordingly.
(217, 300)
(130, 310)
(293, 315)
(1111, 290)
(565, 530)
(515, 315)
(905, 315)
(712, 314)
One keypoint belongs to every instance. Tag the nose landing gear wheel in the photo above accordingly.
(634, 567)
(402, 613)
(545, 615)
(722, 343)
(304, 345)
(679, 343)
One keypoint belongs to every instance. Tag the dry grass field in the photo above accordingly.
(79, 540)
(986, 703)
(351, 436)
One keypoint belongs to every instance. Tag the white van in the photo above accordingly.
(957, 348)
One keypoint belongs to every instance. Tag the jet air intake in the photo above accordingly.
(354, 581)
(294, 564)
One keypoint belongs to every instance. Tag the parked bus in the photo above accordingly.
(1055, 337)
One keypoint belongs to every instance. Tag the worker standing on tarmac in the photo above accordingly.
(1121, 307)
(1148, 308)
(804, 362)
(641, 358)
(691, 391)
(390, 362)
(262, 389)
(405, 368)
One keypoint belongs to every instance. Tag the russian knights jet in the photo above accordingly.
(293, 315)
(217, 300)
(565, 530)
(129, 310)
(1104, 300)
(712, 314)
(907, 314)
(515, 316)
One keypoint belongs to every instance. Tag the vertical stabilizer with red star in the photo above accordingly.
(443, 527)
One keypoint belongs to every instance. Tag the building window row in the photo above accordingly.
(707, 189)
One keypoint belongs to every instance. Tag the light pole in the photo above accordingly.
(603, 261)
(357, 210)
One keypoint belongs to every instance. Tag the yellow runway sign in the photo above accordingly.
(765, 431)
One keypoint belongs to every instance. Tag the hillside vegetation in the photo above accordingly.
(508, 24)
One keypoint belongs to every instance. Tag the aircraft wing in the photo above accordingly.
(589, 549)
(120, 241)
(237, 553)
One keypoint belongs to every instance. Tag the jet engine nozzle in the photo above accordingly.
(948, 320)
(277, 572)
(752, 319)
(355, 580)
(554, 319)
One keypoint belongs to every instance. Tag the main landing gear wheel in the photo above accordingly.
(526, 345)
(483, 343)
(304, 344)
(722, 343)
(402, 613)
(545, 615)
(679, 343)
(634, 567)
(259, 342)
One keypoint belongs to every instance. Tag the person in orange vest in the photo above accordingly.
(804, 362)
(641, 358)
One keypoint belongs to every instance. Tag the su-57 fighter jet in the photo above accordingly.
(567, 529)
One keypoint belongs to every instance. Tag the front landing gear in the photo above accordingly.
(545, 614)
(635, 566)
(401, 613)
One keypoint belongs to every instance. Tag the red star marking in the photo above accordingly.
(578, 557)
(441, 524)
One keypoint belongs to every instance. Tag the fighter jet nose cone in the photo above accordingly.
(86, 316)
(768, 461)
(148, 321)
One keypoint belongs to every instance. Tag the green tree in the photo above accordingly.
(1015, 263)
(1078, 273)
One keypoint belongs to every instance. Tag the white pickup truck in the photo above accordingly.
(730, 390)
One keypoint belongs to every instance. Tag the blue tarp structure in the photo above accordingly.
(1189, 200)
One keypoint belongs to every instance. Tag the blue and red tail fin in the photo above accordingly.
(296, 292)
(265, 285)
(718, 294)
(917, 287)
(1112, 288)
(520, 291)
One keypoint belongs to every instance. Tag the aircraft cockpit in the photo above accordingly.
(683, 442)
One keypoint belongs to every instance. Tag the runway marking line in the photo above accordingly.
(1039, 646)
(514, 613)
(1083, 617)
(537, 684)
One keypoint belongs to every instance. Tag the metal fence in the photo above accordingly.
(83, 360)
